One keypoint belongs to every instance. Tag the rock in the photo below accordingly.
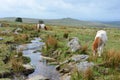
(65, 70)
(18, 30)
(78, 58)
(38, 77)
(83, 66)
(74, 44)
(101, 70)
(28, 66)
(58, 66)
(55, 52)
(5, 32)
(48, 58)
(22, 47)
(1, 38)
(28, 69)
(53, 63)
(66, 77)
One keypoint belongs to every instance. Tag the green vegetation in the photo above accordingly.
(56, 39)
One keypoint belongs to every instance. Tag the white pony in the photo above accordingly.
(41, 26)
(99, 42)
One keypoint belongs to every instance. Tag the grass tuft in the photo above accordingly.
(112, 58)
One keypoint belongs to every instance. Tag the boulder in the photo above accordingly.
(83, 66)
(74, 44)
(28, 69)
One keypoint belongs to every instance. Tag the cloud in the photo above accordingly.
(20, 7)
(80, 9)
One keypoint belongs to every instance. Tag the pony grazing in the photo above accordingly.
(41, 26)
(99, 42)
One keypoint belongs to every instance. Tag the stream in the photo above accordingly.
(40, 65)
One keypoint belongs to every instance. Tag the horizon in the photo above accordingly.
(62, 18)
(93, 10)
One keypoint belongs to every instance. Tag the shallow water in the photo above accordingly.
(41, 68)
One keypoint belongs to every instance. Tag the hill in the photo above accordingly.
(63, 22)
(115, 23)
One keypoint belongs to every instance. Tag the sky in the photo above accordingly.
(89, 10)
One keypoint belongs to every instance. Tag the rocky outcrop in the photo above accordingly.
(78, 58)
(74, 44)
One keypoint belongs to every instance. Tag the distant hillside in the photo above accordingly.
(115, 23)
(61, 22)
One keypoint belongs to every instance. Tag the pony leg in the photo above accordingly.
(99, 51)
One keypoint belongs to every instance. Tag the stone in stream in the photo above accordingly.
(1, 38)
(28, 69)
(38, 77)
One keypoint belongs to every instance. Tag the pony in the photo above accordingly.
(41, 26)
(99, 42)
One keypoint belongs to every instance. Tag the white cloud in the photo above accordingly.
(20, 7)
(81, 9)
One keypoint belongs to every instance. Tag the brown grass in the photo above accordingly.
(88, 74)
(49, 28)
(84, 49)
(20, 37)
(51, 42)
(17, 64)
(112, 58)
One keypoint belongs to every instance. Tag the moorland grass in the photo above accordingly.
(60, 37)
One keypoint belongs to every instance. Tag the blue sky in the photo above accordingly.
(100, 10)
